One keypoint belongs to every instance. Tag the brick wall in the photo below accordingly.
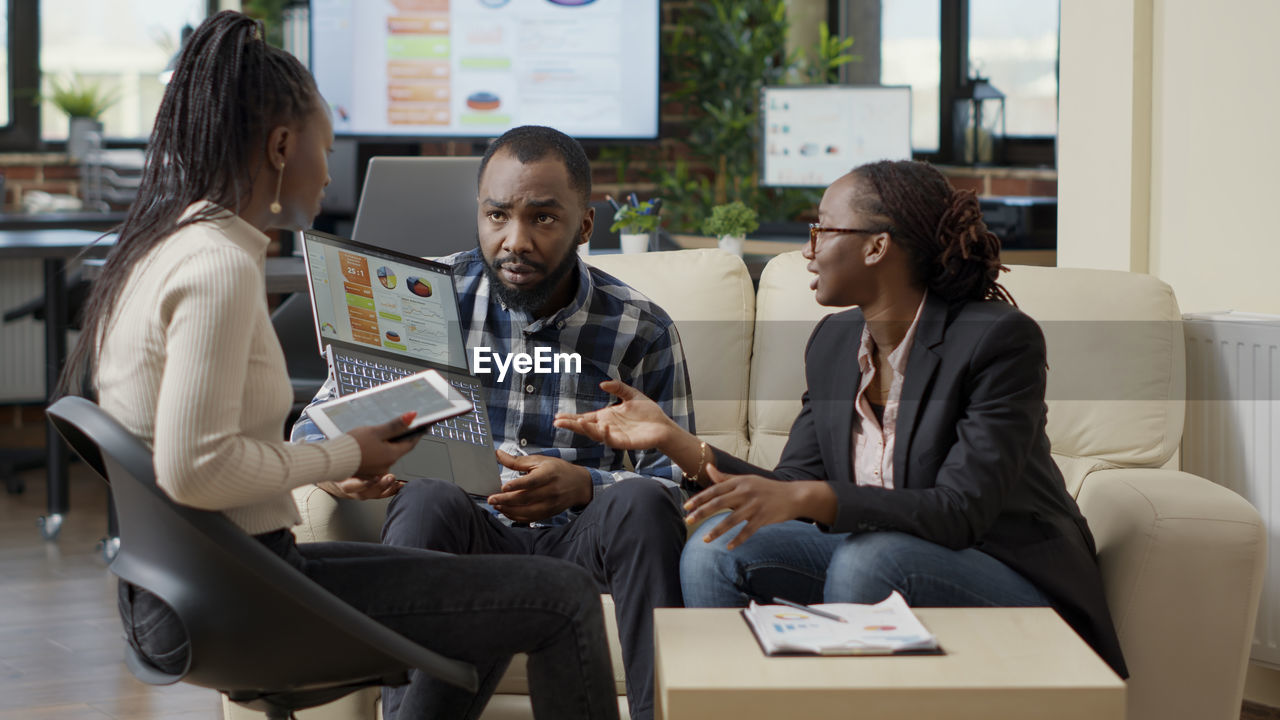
(51, 172)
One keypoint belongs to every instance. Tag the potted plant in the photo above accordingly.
(730, 223)
(636, 221)
(84, 102)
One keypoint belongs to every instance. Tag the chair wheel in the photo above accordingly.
(50, 526)
(109, 547)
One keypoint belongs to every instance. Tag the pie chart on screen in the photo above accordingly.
(387, 277)
(418, 286)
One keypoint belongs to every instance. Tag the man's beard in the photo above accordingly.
(532, 299)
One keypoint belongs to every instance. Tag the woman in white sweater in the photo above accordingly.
(178, 346)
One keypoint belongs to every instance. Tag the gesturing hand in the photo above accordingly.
(634, 423)
(548, 486)
(364, 488)
(755, 500)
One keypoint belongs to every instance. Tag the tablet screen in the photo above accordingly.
(374, 408)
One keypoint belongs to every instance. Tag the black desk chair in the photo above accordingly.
(260, 631)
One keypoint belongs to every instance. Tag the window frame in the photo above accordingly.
(23, 132)
(1019, 150)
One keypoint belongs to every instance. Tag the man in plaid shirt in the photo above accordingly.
(522, 289)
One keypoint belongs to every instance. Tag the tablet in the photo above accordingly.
(426, 393)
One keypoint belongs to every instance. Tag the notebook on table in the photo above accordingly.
(381, 315)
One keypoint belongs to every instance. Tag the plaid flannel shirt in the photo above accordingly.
(618, 333)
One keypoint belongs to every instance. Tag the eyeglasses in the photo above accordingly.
(815, 229)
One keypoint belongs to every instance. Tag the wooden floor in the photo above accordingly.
(60, 645)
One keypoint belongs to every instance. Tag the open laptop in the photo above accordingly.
(381, 315)
(424, 206)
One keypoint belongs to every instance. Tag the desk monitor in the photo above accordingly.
(423, 206)
(813, 134)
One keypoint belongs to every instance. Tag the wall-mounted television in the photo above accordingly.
(424, 69)
(813, 134)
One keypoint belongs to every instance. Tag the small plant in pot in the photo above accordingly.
(84, 102)
(730, 223)
(636, 221)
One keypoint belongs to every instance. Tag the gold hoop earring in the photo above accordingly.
(275, 204)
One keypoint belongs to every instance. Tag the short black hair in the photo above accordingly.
(530, 143)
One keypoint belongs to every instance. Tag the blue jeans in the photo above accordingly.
(797, 561)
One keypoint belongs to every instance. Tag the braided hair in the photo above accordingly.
(952, 252)
(229, 89)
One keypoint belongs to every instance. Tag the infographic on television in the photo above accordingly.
(384, 304)
(475, 68)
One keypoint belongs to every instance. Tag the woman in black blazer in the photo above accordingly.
(919, 461)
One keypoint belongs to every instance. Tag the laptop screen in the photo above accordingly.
(385, 301)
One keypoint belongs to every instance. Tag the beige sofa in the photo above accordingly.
(1181, 557)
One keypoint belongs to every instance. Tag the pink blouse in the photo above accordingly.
(872, 443)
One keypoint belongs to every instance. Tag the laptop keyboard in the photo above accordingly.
(356, 374)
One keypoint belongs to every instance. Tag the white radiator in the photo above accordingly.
(21, 341)
(1232, 433)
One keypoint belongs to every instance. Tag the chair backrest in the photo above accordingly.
(1117, 366)
(708, 294)
(254, 622)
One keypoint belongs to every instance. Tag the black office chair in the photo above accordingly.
(259, 630)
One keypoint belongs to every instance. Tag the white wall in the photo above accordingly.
(1169, 157)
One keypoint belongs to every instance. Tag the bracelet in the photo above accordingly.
(702, 463)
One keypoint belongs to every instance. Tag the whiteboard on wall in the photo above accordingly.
(813, 134)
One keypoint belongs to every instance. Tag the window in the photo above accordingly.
(910, 54)
(1014, 44)
(4, 64)
(936, 45)
(122, 46)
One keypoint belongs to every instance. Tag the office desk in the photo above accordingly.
(284, 274)
(757, 252)
(61, 221)
(54, 248)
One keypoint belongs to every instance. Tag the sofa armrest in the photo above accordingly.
(326, 518)
(1182, 562)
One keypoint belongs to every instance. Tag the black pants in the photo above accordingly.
(628, 538)
(478, 609)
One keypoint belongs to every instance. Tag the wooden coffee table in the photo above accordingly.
(999, 663)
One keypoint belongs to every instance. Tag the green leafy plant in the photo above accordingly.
(733, 218)
(719, 58)
(271, 13)
(822, 66)
(636, 219)
(80, 98)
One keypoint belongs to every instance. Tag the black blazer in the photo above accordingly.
(971, 465)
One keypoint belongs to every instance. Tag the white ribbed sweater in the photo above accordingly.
(190, 364)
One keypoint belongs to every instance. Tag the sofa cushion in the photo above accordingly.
(708, 294)
(1117, 362)
(785, 315)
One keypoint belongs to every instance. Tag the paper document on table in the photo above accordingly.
(885, 628)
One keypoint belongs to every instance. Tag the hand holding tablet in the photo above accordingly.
(427, 393)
